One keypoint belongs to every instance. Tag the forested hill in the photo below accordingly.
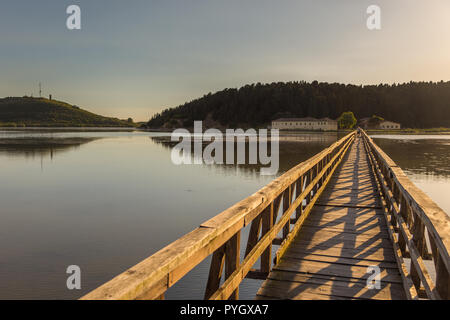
(414, 104)
(40, 112)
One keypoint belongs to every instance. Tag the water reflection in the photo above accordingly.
(426, 161)
(293, 149)
(40, 147)
(424, 156)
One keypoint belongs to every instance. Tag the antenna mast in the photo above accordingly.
(40, 90)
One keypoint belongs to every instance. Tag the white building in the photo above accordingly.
(324, 124)
(389, 125)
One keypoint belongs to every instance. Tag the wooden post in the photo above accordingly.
(232, 259)
(401, 239)
(286, 204)
(298, 191)
(267, 223)
(442, 274)
(308, 197)
(276, 207)
(442, 279)
(415, 277)
(390, 185)
(419, 236)
(316, 171)
(215, 272)
(322, 165)
(253, 234)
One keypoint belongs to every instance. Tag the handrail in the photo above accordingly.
(220, 236)
(419, 223)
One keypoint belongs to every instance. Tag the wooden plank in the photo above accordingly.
(338, 242)
(352, 193)
(363, 261)
(325, 235)
(347, 215)
(358, 220)
(350, 204)
(374, 253)
(314, 278)
(354, 198)
(297, 290)
(368, 229)
(331, 269)
(304, 296)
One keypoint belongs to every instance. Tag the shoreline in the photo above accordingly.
(93, 128)
(431, 131)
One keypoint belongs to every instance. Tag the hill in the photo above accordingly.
(413, 104)
(40, 112)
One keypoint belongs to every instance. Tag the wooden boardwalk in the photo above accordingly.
(344, 234)
(334, 219)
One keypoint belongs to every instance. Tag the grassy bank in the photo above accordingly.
(41, 112)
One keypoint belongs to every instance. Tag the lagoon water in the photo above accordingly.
(106, 200)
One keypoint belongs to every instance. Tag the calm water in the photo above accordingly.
(107, 200)
(426, 161)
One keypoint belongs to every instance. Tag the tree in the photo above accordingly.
(413, 104)
(347, 120)
(130, 120)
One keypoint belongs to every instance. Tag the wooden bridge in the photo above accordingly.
(335, 220)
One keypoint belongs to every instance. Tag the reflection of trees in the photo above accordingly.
(293, 149)
(40, 147)
(427, 156)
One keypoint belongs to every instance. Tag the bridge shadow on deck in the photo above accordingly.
(344, 234)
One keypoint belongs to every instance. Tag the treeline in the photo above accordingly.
(413, 104)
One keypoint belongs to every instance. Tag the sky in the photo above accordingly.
(135, 58)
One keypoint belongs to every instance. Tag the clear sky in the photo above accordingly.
(134, 58)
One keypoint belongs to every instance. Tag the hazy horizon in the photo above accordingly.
(135, 59)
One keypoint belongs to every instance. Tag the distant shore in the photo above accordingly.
(443, 131)
(407, 131)
(370, 131)
(86, 128)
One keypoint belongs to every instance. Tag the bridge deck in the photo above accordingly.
(344, 234)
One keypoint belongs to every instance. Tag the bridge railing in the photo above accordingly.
(419, 229)
(293, 194)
